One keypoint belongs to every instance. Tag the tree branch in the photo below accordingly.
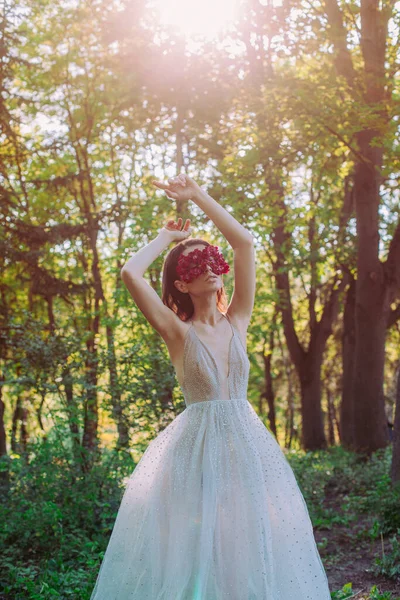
(281, 240)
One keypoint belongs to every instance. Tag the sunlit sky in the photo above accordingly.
(197, 17)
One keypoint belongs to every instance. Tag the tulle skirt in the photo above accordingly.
(212, 511)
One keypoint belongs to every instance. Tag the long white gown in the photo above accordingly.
(212, 509)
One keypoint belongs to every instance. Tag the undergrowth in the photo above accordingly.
(57, 521)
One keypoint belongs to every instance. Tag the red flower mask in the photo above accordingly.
(195, 263)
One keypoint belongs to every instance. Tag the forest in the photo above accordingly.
(287, 113)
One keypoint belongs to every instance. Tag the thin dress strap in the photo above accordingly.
(234, 329)
(230, 323)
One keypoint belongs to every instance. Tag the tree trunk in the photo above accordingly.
(289, 423)
(91, 416)
(336, 422)
(372, 86)
(395, 468)
(371, 310)
(90, 433)
(115, 392)
(269, 393)
(3, 435)
(331, 417)
(289, 413)
(24, 435)
(372, 305)
(307, 361)
(14, 426)
(19, 421)
(313, 434)
(72, 411)
(348, 348)
(90, 442)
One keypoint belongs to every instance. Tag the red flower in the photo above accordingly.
(195, 263)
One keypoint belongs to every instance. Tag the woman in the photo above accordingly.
(212, 510)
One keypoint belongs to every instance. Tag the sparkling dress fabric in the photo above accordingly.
(212, 509)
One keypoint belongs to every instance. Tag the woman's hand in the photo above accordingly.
(175, 233)
(179, 188)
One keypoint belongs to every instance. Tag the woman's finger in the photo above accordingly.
(161, 185)
(182, 179)
(179, 180)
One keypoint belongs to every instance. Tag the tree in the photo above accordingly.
(371, 84)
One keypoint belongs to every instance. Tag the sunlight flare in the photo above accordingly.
(197, 17)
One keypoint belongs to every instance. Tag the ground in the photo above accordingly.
(348, 554)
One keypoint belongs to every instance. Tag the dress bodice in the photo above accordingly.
(202, 378)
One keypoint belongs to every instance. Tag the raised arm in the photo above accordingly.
(241, 306)
(162, 318)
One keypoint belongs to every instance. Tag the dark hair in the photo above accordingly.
(177, 301)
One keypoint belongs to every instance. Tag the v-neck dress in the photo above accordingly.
(203, 380)
(212, 510)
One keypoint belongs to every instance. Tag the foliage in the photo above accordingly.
(56, 520)
(374, 493)
(346, 593)
(364, 485)
(96, 100)
(389, 563)
(315, 472)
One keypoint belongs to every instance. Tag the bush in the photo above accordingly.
(57, 522)
(389, 564)
(346, 593)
